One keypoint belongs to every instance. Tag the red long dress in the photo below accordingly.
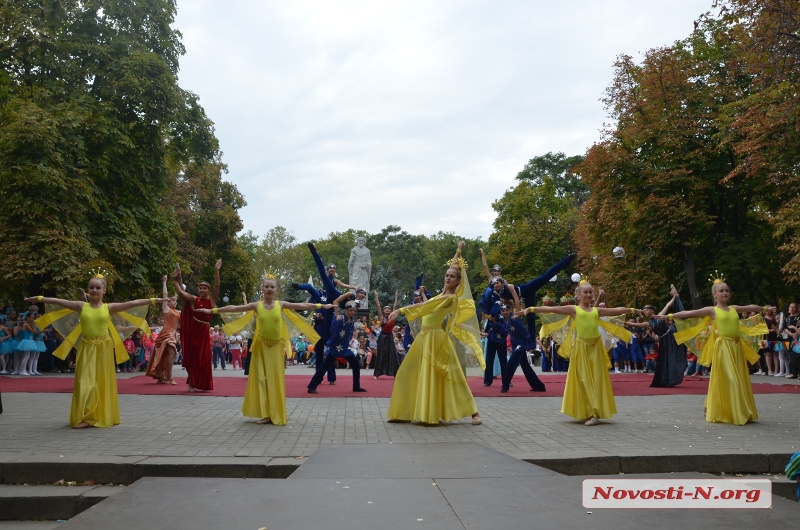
(195, 344)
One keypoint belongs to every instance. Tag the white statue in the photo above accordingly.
(360, 267)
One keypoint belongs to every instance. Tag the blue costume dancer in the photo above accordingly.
(329, 292)
(521, 343)
(321, 326)
(525, 292)
(338, 347)
(497, 335)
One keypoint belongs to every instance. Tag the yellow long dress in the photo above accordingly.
(99, 349)
(94, 394)
(430, 385)
(725, 347)
(265, 393)
(588, 392)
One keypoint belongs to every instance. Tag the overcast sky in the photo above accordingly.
(360, 114)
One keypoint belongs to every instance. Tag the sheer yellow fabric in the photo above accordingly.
(563, 330)
(265, 393)
(431, 384)
(700, 334)
(724, 343)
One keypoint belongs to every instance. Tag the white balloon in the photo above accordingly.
(575, 277)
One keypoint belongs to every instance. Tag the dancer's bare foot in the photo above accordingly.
(82, 425)
(592, 421)
(192, 389)
(476, 419)
(172, 382)
(263, 421)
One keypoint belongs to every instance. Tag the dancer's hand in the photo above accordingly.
(218, 264)
(176, 274)
(203, 310)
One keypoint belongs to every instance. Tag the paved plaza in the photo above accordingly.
(650, 434)
(194, 425)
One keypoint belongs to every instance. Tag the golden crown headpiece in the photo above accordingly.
(458, 262)
(99, 273)
(716, 278)
(269, 274)
(584, 279)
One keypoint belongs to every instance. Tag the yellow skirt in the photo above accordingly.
(730, 394)
(94, 394)
(588, 392)
(430, 385)
(265, 394)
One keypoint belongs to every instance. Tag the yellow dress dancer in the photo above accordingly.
(99, 348)
(724, 344)
(265, 394)
(430, 385)
(577, 328)
(94, 395)
(588, 392)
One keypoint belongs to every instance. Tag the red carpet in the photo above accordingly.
(624, 385)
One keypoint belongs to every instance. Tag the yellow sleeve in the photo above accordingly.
(420, 310)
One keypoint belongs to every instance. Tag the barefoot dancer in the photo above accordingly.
(265, 394)
(730, 395)
(588, 392)
(94, 395)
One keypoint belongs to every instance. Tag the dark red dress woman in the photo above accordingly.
(195, 336)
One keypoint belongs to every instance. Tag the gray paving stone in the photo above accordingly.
(405, 461)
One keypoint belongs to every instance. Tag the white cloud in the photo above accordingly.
(346, 114)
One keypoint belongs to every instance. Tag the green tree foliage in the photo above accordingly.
(95, 134)
(397, 259)
(763, 126)
(661, 181)
(558, 168)
(533, 228)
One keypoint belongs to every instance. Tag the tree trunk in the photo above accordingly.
(691, 281)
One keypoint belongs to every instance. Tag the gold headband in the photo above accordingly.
(716, 278)
(99, 273)
(584, 279)
(458, 262)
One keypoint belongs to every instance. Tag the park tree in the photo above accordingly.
(279, 253)
(558, 168)
(206, 208)
(660, 179)
(94, 134)
(763, 127)
(533, 228)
